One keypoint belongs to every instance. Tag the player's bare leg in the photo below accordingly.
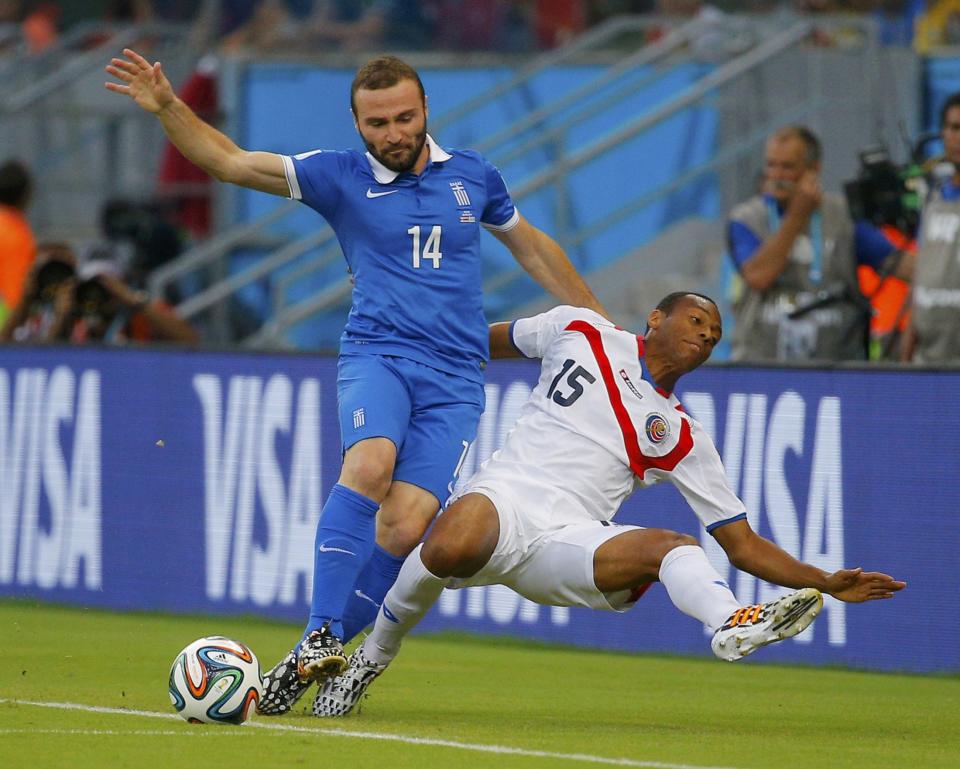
(404, 516)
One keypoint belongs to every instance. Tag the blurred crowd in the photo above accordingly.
(292, 26)
(51, 293)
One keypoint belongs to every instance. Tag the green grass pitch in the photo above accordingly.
(455, 701)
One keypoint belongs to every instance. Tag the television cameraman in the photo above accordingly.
(797, 249)
(933, 336)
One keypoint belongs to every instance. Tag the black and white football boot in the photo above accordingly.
(319, 658)
(338, 696)
(751, 627)
(282, 687)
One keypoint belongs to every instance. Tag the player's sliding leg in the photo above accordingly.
(698, 591)
(459, 546)
(414, 592)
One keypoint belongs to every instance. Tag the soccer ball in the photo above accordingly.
(215, 680)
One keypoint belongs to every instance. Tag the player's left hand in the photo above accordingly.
(857, 585)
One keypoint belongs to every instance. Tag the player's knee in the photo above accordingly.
(683, 539)
(447, 556)
(368, 474)
(671, 540)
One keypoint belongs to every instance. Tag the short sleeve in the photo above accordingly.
(532, 336)
(702, 481)
(500, 213)
(313, 179)
(871, 245)
(742, 242)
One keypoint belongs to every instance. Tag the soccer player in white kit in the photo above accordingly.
(602, 422)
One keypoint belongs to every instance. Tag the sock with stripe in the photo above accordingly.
(414, 592)
(695, 587)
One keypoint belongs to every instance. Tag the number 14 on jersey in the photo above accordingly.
(431, 247)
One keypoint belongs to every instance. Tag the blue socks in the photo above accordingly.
(344, 543)
(372, 585)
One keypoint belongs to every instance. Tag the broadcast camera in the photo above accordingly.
(885, 193)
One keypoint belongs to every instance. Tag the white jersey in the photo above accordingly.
(595, 429)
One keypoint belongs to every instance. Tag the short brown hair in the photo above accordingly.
(383, 72)
(15, 184)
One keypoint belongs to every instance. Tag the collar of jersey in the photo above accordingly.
(642, 349)
(384, 175)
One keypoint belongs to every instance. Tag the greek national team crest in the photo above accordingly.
(359, 419)
(460, 193)
(656, 428)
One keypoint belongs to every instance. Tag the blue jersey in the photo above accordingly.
(412, 243)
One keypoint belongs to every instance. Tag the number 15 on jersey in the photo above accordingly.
(431, 247)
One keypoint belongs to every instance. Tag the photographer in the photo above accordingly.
(105, 309)
(63, 304)
(934, 333)
(797, 249)
(44, 310)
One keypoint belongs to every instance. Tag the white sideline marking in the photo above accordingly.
(323, 732)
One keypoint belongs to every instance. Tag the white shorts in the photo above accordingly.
(551, 563)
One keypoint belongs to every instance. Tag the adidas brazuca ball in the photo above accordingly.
(215, 680)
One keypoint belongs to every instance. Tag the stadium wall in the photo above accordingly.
(190, 482)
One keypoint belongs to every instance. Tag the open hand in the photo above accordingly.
(144, 83)
(857, 585)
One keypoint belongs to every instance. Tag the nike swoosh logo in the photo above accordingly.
(365, 597)
(372, 194)
(325, 549)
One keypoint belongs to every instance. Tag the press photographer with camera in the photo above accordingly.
(44, 309)
(64, 303)
(797, 249)
(933, 336)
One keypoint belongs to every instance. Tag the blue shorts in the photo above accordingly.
(430, 416)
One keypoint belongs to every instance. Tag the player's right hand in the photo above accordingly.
(857, 585)
(808, 194)
(144, 83)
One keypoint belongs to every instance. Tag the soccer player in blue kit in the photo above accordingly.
(407, 214)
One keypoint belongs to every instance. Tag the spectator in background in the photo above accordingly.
(797, 249)
(934, 333)
(939, 26)
(17, 246)
(42, 313)
(64, 302)
(106, 309)
(557, 22)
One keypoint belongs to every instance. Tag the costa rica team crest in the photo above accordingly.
(656, 428)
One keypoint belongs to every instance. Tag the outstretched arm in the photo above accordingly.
(541, 256)
(750, 552)
(200, 142)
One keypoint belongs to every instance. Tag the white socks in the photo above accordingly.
(693, 584)
(695, 587)
(411, 596)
